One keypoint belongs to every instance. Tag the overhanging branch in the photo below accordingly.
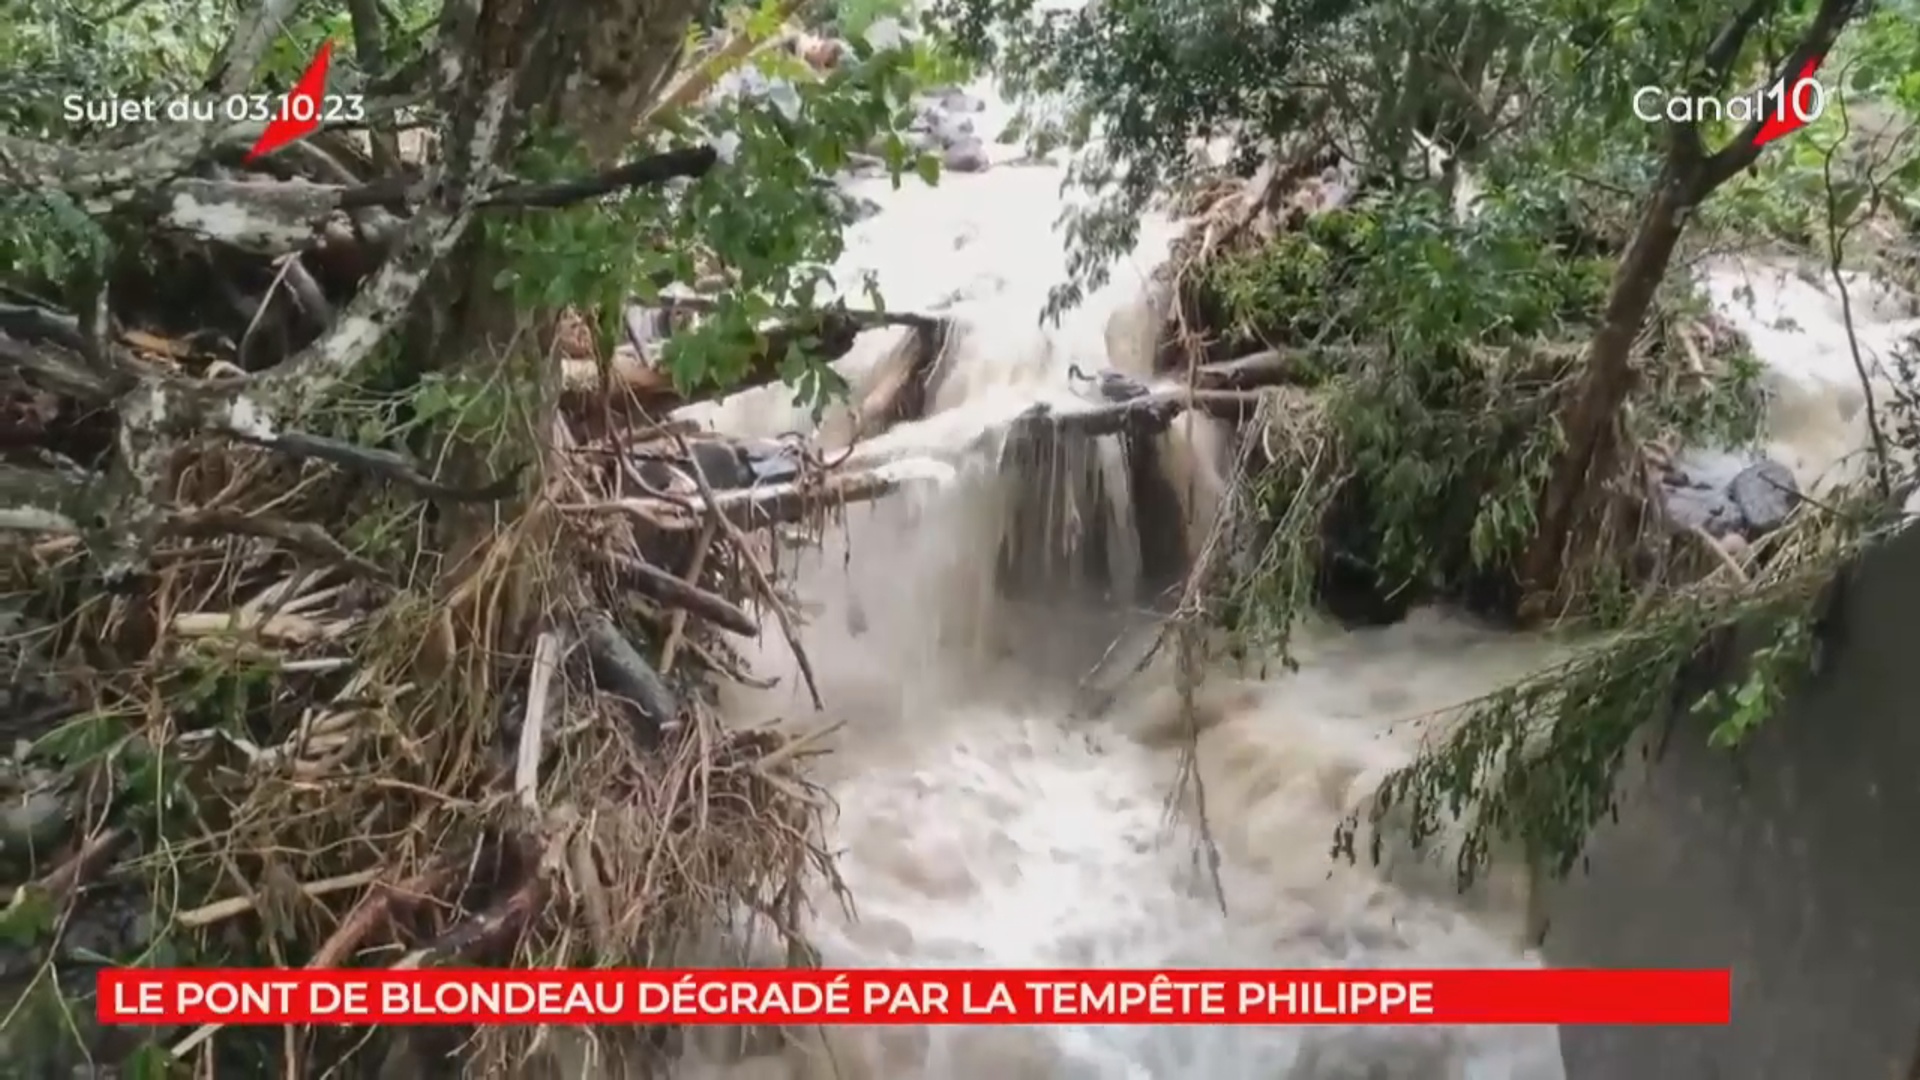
(641, 172)
(272, 217)
(1817, 41)
(238, 61)
(382, 463)
(102, 180)
(380, 306)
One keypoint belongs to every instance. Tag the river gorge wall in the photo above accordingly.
(1791, 862)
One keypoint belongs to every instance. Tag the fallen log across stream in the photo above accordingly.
(1149, 415)
(786, 501)
(635, 372)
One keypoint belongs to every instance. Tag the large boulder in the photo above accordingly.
(1765, 493)
(1729, 495)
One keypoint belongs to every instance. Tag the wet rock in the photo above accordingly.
(1709, 509)
(943, 127)
(768, 462)
(954, 99)
(1765, 493)
(967, 156)
(32, 824)
(955, 127)
(1724, 495)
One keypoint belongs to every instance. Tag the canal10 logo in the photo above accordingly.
(1780, 109)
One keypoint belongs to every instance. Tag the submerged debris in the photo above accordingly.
(297, 751)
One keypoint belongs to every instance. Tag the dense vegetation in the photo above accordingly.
(220, 376)
(1496, 325)
(284, 576)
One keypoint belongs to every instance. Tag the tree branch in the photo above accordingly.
(266, 217)
(383, 463)
(36, 323)
(642, 172)
(370, 49)
(380, 306)
(273, 217)
(233, 73)
(301, 536)
(1725, 50)
(103, 179)
(1816, 42)
(53, 372)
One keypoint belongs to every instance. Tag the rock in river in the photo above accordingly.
(1723, 494)
(1765, 493)
(969, 155)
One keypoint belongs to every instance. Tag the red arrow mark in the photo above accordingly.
(1793, 105)
(299, 114)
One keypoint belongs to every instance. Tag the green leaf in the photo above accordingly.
(928, 167)
(28, 919)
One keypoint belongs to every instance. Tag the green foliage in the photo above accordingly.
(769, 222)
(1862, 153)
(1445, 439)
(1791, 649)
(1149, 77)
(1533, 764)
(1540, 86)
(1883, 62)
(96, 49)
(1438, 348)
(852, 18)
(52, 53)
(47, 240)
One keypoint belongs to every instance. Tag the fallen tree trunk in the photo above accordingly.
(785, 503)
(829, 336)
(1269, 367)
(1142, 416)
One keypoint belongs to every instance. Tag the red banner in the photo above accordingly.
(262, 996)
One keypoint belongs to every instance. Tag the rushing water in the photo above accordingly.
(982, 823)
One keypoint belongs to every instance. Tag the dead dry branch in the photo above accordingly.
(397, 759)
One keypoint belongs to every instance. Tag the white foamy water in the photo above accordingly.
(1795, 320)
(981, 824)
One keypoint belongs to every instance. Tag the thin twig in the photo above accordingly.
(266, 300)
(526, 771)
(233, 906)
(1724, 556)
(759, 574)
(344, 940)
(677, 622)
(1836, 236)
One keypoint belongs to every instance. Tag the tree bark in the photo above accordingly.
(583, 69)
(1590, 420)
